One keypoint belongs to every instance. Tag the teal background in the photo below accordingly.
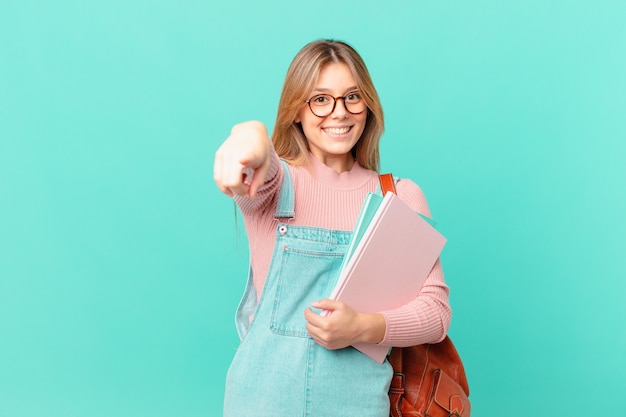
(121, 264)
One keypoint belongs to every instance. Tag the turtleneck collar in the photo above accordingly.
(353, 178)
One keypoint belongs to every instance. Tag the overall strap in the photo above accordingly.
(285, 205)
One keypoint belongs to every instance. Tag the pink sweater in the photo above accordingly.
(331, 200)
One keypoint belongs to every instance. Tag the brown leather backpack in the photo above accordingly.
(428, 380)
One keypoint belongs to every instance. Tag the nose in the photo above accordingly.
(340, 111)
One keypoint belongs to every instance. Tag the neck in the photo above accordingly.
(340, 163)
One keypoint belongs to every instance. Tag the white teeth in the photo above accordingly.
(337, 130)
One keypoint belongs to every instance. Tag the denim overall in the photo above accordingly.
(279, 370)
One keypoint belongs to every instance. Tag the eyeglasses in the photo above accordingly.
(323, 105)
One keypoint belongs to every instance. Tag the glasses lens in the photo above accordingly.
(322, 105)
(354, 103)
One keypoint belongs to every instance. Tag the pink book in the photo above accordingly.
(389, 265)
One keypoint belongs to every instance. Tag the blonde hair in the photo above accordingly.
(288, 137)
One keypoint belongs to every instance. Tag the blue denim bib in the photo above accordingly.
(278, 369)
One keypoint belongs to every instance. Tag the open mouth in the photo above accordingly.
(337, 131)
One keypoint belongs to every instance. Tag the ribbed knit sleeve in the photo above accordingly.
(266, 193)
(426, 319)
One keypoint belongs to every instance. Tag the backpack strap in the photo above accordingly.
(387, 183)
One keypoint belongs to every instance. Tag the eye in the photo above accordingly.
(353, 97)
(320, 100)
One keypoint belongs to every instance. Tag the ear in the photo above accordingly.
(298, 118)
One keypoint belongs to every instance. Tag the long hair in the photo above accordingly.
(288, 137)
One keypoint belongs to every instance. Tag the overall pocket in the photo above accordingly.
(306, 276)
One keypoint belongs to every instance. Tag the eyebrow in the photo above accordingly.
(328, 90)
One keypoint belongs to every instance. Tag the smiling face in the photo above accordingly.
(331, 138)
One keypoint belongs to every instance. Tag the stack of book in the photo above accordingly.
(389, 257)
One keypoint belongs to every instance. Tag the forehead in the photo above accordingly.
(335, 76)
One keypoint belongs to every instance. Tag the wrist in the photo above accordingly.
(374, 327)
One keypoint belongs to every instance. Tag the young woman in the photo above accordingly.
(300, 194)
